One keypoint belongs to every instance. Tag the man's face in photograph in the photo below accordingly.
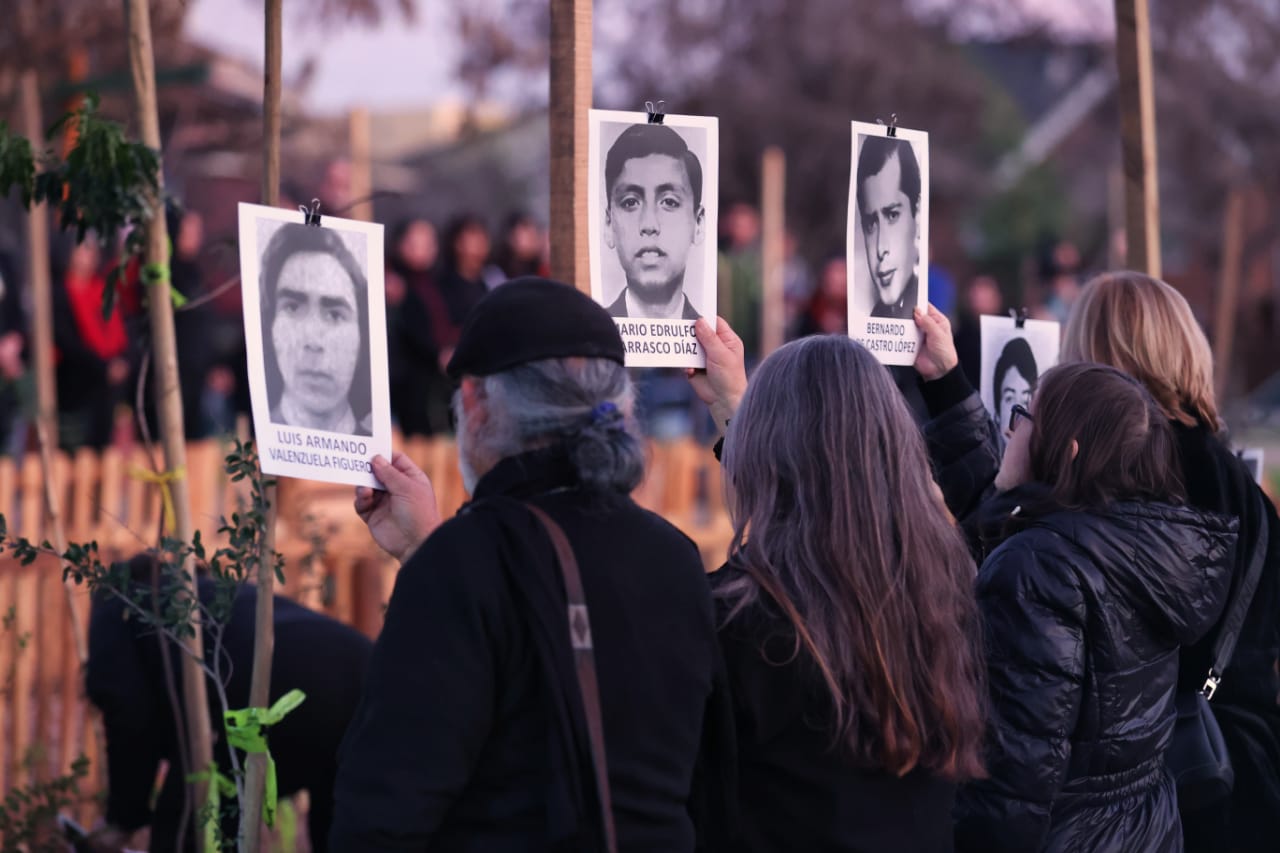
(652, 220)
(888, 231)
(316, 331)
(1014, 390)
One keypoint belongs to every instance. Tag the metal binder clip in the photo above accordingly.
(1019, 316)
(655, 111)
(311, 216)
(892, 127)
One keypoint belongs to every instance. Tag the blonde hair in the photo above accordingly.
(1144, 327)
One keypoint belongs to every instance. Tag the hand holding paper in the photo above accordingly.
(724, 381)
(402, 517)
(937, 355)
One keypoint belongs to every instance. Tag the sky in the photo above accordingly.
(398, 65)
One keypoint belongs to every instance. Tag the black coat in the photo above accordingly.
(125, 680)
(1084, 614)
(462, 742)
(1245, 703)
(963, 446)
(796, 791)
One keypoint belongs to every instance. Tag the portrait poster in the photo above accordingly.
(887, 240)
(651, 213)
(316, 339)
(1253, 458)
(1013, 360)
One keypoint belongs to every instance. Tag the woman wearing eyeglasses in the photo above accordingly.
(1095, 576)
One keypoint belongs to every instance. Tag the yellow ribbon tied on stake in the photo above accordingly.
(247, 731)
(162, 479)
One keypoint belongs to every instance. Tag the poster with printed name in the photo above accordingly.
(1253, 458)
(1013, 360)
(316, 340)
(887, 243)
(651, 211)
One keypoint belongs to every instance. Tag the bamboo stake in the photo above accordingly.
(46, 385)
(1224, 321)
(264, 614)
(168, 395)
(570, 101)
(773, 188)
(360, 140)
(1138, 134)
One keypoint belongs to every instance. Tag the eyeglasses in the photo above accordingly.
(1017, 413)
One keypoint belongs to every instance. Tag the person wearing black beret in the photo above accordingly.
(481, 728)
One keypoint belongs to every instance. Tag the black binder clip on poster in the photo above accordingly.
(655, 111)
(311, 216)
(892, 126)
(1019, 316)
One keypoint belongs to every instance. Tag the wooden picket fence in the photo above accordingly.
(332, 565)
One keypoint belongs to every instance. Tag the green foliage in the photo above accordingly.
(28, 813)
(17, 165)
(107, 185)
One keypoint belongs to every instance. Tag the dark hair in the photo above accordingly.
(1125, 445)
(457, 226)
(294, 239)
(1016, 355)
(394, 261)
(838, 522)
(875, 153)
(642, 140)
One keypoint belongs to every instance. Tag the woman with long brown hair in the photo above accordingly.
(847, 615)
(1096, 577)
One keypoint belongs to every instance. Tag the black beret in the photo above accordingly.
(528, 319)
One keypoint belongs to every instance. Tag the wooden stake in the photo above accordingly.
(1138, 135)
(168, 395)
(264, 640)
(360, 133)
(42, 346)
(773, 188)
(570, 102)
(1224, 320)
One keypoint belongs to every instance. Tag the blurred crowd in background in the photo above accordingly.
(436, 271)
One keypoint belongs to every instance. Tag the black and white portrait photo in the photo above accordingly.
(888, 239)
(1013, 360)
(652, 213)
(315, 334)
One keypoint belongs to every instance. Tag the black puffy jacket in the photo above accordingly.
(1084, 613)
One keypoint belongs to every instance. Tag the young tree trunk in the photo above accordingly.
(46, 386)
(168, 397)
(264, 625)
(773, 189)
(1138, 134)
(570, 101)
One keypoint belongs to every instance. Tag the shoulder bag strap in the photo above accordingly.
(584, 658)
(1229, 633)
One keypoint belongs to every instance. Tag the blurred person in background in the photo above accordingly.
(739, 273)
(436, 305)
(1060, 266)
(797, 282)
(519, 250)
(981, 296)
(412, 267)
(827, 312)
(94, 360)
(13, 327)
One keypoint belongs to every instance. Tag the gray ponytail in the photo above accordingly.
(583, 404)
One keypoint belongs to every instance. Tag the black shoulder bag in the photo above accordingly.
(1197, 753)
